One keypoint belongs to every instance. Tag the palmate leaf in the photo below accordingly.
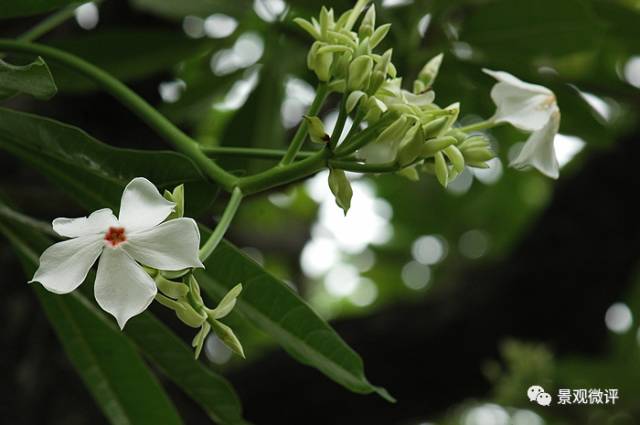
(34, 79)
(15, 8)
(107, 361)
(168, 352)
(266, 302)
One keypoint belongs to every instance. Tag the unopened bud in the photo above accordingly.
(200, 338)
(410, 173)
(170, 288)
(320, 63)
(455, 156)
(411, 147)
(227, 303)
(433, 128)
(433, 146)
(316, 130)
(308, 27)
(359, 73)
(441, 169)
(227, 336)
(429, 73)
(326, 21)
(341, 65)
(341, 189)
(353, 99)
(378, 35)
(368, 22)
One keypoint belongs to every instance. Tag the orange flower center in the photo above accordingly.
(115, 236)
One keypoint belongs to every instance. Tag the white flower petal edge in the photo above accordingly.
(539, 152)
(142, 207)
(169, 246)
(526, 106)
(98, 222)
(64, 266)
(122, 287)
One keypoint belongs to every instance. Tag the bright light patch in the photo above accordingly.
(473, 244)
(246, 51)
(280, 199)
(396, 3)
(461, 184)
(567, 147)
(618, 318)
(193, 26)
(219, 25)
(298, 96)
(462, 50)
(487, 414)
(632, 71)
(429, 249)
(216, 351)
(170, 91)
(87, 16)
(423, 24)
(330, 124)
(415, 275)
(364, 261)
(365, 294)
(489, 175)
(318, 256)
(342, 280)
(526, 417)
(269, 10)
(239, 92)
(601, 107)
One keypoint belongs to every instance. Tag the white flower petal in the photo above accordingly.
(538, 151)
(98, 222)
(122, 287)
(142, 206)
(525, 106)
(64, 265)
(516, 83)
(172, 245)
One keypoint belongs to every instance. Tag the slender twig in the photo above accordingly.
(218, 233)
(135, 103)
(298, 139)
(257, 153)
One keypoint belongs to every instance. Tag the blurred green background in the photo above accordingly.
(459, 299)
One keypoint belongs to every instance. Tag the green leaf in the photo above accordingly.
(95, 173)
(34, 79)
(273, 307)
(107, 362)
(15, 8)
(526, 29)
(157, 342)
(126, 53)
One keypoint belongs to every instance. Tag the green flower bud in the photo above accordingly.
(476, 150)
(227, 336)
(460, 136)
(378, 35)
(433, 128)
(320, 63)
(308, 27)
(368, 22)
(227, 303)
(411, 146)
(429, 73)
(341, 189)
(340, 67)
(170, 288)
(410, 173)
(456, 158)
(441, 169)
(478, 154)
(177, 197)
(363, 49)
(316, 130)
(359, 73)
(345, 39)
(188, 315)
(338, 86)
(353, 14)
(475, 142)
(326, 21)
(433, 146)
(353, 99)
(200, 338)
(333, 48)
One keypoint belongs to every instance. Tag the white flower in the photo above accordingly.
(532, 108)
(137, 236)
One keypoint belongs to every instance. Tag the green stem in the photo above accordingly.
(218, 233)
(51, 22)
(342, 119)
(135, 103)
(258, 153)
(364, 137)
(482, 125)
(281, 175)
(358, 167)
(298, 139)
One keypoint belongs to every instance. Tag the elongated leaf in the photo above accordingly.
(108, 363)
(14, 8)
(34, 79)
(168, 352)
(93, 172)
(273, 307)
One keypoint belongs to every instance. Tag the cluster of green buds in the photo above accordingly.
(405, 128)
(180, 291)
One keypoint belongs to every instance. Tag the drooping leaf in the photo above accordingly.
(95, 173)
(15, 8)
(34, 79)
(120, 382)
(167, 351)
(128, 54)
(273, 307)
